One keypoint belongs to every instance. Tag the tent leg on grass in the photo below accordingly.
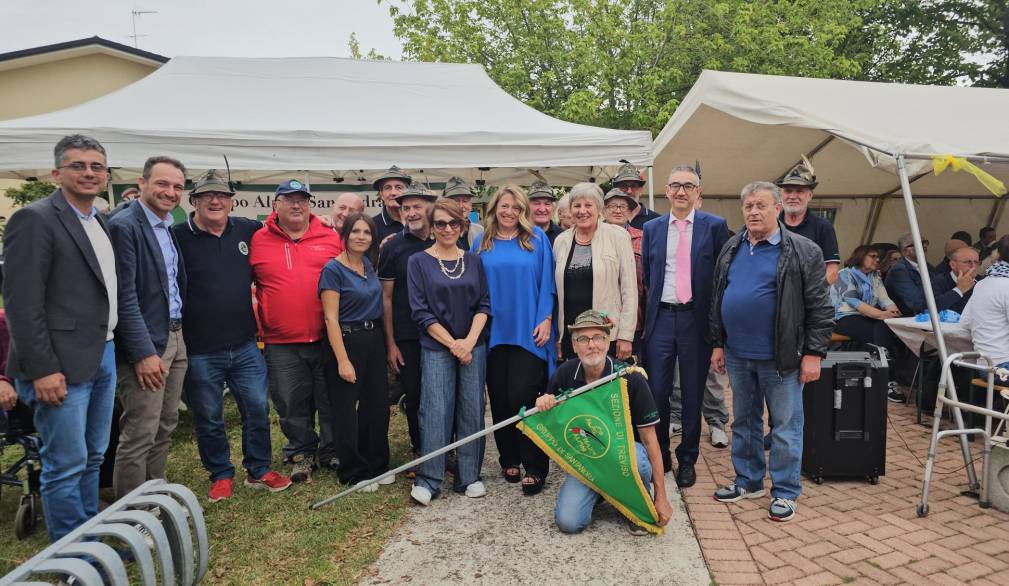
(467, 439)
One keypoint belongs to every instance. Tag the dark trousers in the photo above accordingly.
(298, 391)
(360, 410)
(866, 330)
(676, 336)
(409, 378)
(515, 377)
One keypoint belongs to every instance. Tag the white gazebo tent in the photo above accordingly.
(864, 138)
(331, 119)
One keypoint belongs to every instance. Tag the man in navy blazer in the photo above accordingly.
(152, 288)
(678, 253)
(903, 282)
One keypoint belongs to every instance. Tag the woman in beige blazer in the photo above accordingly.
(595, 270)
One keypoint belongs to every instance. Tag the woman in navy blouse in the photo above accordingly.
(451, 304)
(519, 263)
(355, 368)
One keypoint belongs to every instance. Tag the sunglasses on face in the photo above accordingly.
(449, 225)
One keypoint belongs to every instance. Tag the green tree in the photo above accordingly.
(939, 42)
(629, 64)
(28, 192)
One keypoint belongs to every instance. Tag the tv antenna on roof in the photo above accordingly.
(134, 14)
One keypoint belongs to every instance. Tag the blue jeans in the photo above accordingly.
(244, 369)
(451, 392)
(575, 501)
(74, 437)
(754, 383)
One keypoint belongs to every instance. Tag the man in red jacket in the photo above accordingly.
(287, 256)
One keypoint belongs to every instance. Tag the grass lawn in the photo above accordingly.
(262, 538)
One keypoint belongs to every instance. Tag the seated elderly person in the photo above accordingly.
(903, 282)
(987, 314)
(862, 304)
(575, 501)
(953, 287)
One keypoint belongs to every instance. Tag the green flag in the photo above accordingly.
(591, 437)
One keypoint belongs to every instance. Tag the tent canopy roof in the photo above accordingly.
(744, 127)
(320, 114)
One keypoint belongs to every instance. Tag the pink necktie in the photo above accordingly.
(683, 263)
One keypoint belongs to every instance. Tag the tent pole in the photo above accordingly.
(933, 313)
(651, 191)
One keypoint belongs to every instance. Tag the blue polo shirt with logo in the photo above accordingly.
(219, 290)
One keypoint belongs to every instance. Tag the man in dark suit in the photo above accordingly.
(678, 252)
(954, 286)
(903, 283)
(60, 297)
(152, 361)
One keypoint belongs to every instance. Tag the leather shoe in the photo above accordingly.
(685, 476)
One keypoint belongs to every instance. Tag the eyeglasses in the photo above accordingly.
(79, 167)
(294, 201)
(596, 339)
(617, 207)
(212, 195)
(449, 225)
(686, 187)
(872, 255)
(972, 263)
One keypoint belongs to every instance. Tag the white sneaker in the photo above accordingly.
(675, 429)
(476, 490)
(420, 495)
(388, 480)
(718, 438)
(369, 488)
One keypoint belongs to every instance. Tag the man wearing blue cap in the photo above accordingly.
(287, 257)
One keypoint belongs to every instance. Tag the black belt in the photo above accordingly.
(357, 326)
(677, 306)
(174, 325)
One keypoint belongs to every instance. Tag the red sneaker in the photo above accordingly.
(270, 481)
(220, 490)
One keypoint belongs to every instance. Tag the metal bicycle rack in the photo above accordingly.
(946, 384)
(169, 515)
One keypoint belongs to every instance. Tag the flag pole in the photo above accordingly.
(515, 418)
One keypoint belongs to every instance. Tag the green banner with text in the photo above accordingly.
(591, 437)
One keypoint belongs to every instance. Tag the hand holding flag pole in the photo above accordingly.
(514, 419)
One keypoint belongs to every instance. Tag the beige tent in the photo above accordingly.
(743, 127)
(869, 142)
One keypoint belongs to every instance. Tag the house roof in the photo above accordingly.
(79, 47)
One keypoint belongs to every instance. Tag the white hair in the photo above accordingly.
(564, 203)
(586, 190)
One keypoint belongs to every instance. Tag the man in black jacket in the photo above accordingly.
(771, 320)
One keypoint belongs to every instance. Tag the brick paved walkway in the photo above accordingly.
(851, 531)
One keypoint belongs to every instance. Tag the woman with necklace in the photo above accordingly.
(450, 303)
(596, 270)
(517, 258)
(354, 366)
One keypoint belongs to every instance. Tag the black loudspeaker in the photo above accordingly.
(845, 418)
(998, 477)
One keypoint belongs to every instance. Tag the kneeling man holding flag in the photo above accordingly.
(604, 439)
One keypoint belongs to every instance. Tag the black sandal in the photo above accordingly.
(535, 487)
(512, 478)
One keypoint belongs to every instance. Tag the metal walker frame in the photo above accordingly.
(976, 488)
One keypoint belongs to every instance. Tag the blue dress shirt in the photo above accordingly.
(162, 231)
